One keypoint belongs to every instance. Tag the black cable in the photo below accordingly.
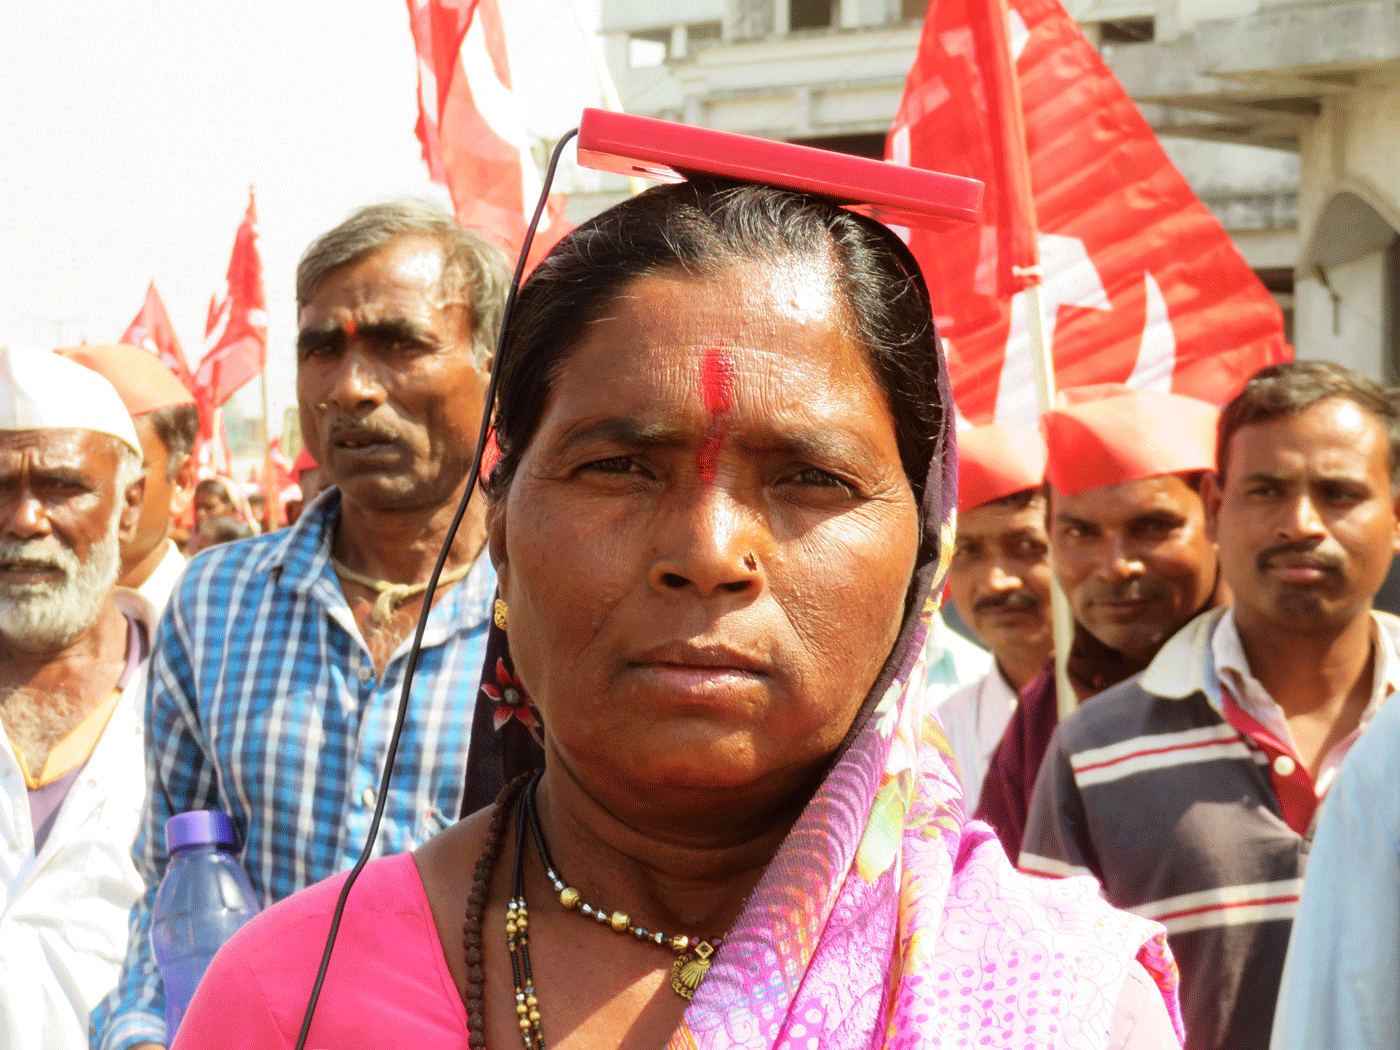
(412, 663)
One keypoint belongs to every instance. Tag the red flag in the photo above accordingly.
(212, 319)
(471, 125)
(212, 456)
(1141, 283)
(278, 483)
(237, 336)
(151, 330)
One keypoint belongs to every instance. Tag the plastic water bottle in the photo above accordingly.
(203, 900)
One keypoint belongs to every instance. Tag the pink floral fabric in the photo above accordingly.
(889, 920)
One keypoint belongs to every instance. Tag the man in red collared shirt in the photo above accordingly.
(1190, 790)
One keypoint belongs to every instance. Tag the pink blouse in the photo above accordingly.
(388, 984)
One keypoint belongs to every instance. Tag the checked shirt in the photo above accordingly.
(264, 703)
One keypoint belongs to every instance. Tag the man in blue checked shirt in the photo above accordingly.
(279, 661)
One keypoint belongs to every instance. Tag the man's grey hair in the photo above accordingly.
(475, 271)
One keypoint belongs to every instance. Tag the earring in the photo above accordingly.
(501, 615)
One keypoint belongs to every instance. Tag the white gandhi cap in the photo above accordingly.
(43, 391)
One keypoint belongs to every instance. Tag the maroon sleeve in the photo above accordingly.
(1006, 793)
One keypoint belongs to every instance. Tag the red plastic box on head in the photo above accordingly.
(668, 152)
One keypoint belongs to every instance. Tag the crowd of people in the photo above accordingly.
(685, 671)
(1221, 568)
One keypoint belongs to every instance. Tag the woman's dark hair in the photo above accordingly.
(700, 227)
(214, 487)
(1295, 386)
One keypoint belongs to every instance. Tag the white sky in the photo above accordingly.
(131, 131)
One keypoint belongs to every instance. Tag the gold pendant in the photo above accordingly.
(690, 969)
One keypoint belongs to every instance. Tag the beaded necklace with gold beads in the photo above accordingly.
(527, 1006)
(474, 926)
(694, 955)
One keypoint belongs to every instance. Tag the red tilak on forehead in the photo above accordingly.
(716, 390)
(350, 327)
(716, 380)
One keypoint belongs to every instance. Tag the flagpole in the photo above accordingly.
(1061, 617)
(605, 79)
(270, 511)
(1041, 329)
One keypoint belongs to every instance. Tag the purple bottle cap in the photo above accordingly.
(199, 827)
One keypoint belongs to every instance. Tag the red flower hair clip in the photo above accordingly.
(511, 699)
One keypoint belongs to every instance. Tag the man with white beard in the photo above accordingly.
(72, 687)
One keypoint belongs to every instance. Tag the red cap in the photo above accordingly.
(998, 460)
(142, 382)
(303, 462)
(1107, 434)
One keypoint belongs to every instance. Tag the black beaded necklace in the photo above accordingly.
(694, 955)
(476, 911)
(517, 922)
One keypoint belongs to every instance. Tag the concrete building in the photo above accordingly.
(827, 73)
(1315, 81)
(1284, 115)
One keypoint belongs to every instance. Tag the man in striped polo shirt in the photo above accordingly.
(1129, 545)
(1190, 790)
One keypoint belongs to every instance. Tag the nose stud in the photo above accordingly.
(750, 562)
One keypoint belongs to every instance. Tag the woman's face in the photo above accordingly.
(210, 503)
(707, 544)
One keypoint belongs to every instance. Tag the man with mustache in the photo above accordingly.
(1190, 791)
(1129, 546)
(73, 651)
(999, 581)
(277, 672)
(167, 424)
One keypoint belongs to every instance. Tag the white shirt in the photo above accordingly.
(1232, 668)
(950, 661)
(974, 718)
(63, 928)
(158, 587)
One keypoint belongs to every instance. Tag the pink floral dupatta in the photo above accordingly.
(888, 920)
